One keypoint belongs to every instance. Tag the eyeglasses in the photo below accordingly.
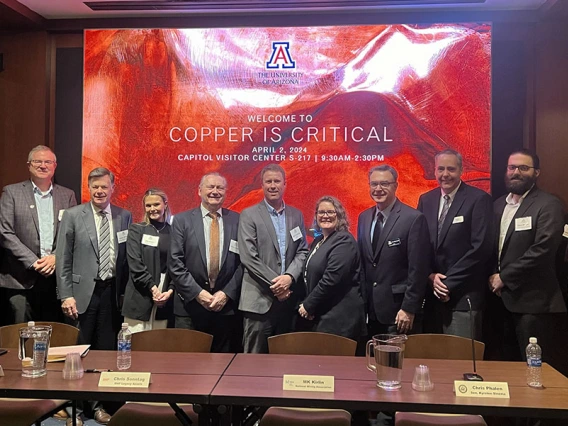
(40, 162)
(329, 213)
(383, 185)
(522, 168)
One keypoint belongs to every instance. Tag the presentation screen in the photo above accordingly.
(162, 107)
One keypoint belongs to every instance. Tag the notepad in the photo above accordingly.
(59, 353)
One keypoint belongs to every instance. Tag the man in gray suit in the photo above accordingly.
(272, 246)
(30, 212)
(205, 267)
(91, 266)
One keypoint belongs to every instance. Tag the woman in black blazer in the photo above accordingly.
(148, 295)
(332, 275)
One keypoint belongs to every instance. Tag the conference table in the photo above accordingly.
(176, 378)
(256, 379)
(217, 382)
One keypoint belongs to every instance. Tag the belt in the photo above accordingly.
(104, 283)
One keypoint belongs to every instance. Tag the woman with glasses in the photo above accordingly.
(332, 275)
(148, 296)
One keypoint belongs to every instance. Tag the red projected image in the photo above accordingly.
(164, 106)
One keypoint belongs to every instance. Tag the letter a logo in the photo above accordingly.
(281, 57)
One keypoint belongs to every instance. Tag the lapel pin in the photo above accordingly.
(32, 206)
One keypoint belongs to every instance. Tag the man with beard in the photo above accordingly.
(530, 230)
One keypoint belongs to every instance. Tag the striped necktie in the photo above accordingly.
(444, 213)
(104, 247)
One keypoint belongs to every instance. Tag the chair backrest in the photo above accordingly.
(61, 334)
(172, 340)
(311, 343)
(441, 346)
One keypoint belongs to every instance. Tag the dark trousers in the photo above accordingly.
(99, 326)
(38, 303)
(259, 327)
(100, 323)
(551, 330)
(227, 330)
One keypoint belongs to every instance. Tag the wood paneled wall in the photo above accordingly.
(24, 101)
(551, 107)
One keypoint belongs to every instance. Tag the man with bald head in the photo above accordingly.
(205, 267)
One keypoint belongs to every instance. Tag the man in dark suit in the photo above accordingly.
(395, 251)
(30, 212)
(91, 266)
(205, 267)
(459, 218)
(530, 230)
(273, 247)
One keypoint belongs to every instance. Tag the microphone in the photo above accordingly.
(472, 376)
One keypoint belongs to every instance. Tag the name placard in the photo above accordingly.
(124, 380)
(481, 389)
(308, 383)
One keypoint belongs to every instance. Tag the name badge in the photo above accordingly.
(296, 233)
(121, 236)
(523, 223)
(481, 389)
(565, 234)
(60, 214)
(150, 240)
(308, 383)
(124, 380)
(394, 243)
(234, 246)
(457, 219)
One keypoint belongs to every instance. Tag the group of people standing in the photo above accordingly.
(243, 278)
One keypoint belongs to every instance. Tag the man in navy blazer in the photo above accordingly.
(206, 269)
(460, 219)
(30, 212)
(531, 224)
(395, 251)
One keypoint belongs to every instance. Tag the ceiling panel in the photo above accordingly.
(61, 9)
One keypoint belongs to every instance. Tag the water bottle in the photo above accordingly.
(123, 357)
(534, 364)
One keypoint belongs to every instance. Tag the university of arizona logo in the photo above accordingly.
(281, 57)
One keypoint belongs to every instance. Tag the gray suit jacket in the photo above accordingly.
(260, 255)
(77, 255)
(19, 231)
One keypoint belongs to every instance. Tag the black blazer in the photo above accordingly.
(333, 279)
(464, 248)
(188, 263)
(527, 264)
(145, 272)
(396, 275)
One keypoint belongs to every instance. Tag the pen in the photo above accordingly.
(96, 370)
